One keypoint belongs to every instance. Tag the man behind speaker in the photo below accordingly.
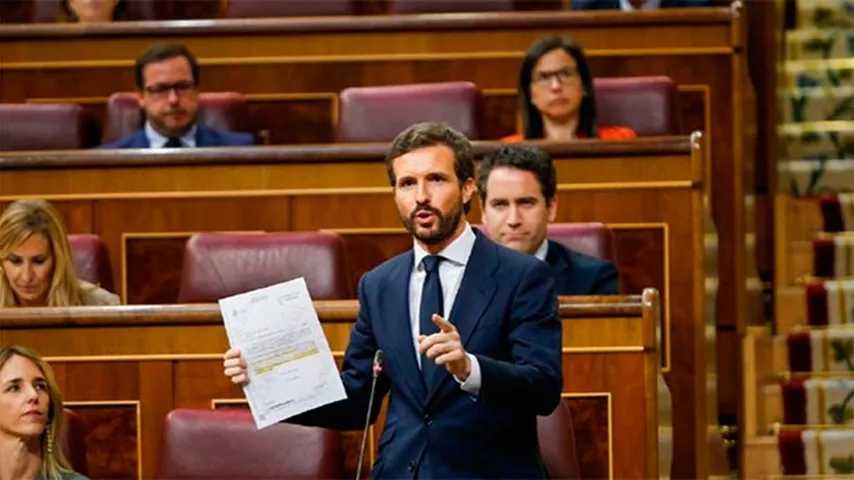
(517, 187)
(470, 332)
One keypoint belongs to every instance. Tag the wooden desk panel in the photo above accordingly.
(167, 357)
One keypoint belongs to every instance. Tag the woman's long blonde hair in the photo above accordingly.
(53, 459)
(19, 221)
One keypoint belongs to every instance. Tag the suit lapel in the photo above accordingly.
(474, 295)
(396, 303)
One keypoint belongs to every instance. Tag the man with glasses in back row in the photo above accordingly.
(168, 77)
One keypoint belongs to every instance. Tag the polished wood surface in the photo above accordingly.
(163, 357)
(645, 181)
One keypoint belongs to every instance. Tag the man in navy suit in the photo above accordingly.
(168, 77)
(470, 332)
(517, 187)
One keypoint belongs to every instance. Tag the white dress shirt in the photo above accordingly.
(156, 140)
(542, 250)
(647, 5)
(451, 268)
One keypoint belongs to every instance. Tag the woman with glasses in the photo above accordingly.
(35, 261)
(556, 95)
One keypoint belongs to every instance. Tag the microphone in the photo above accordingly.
(376, 369)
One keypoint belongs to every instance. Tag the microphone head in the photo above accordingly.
(378, 363)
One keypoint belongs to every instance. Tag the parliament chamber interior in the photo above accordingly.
(728, 212)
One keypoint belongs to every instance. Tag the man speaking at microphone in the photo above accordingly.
(470, 331)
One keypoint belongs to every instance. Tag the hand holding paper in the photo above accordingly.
(279, 352)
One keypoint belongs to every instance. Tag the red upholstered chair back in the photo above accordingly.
(219, 444)
(220, 110)
(59, 126)
(91, 259)
(557, 443)
(439, 6)
(592, 238)
(285, 8)
(378, 114)
(646, 104)
(74, 441)
(217, 265)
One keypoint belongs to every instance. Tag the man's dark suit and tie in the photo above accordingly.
(517, 185)
(167, 77)
(469, 329)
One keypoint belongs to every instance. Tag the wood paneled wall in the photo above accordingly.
(163, 357)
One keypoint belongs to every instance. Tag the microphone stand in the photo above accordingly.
(377, 369)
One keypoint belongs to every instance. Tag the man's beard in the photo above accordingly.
(444, 227)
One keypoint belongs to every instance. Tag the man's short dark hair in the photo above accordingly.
(430, 134)
(529, 159)
(164, 51)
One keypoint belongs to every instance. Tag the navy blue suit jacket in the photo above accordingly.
(205, 137)
(579, 274)
(615, 4)
(506, 314)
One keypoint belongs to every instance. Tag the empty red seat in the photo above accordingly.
(219, 444)
(59, 126)
(645, 104)
(378, 114)
(593, 238)
(218, 110)
(91, 259)
(217, 265)
(285, 8)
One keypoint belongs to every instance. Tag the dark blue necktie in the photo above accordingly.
(432, 302)
(173, 142)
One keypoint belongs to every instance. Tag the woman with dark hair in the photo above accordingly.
(556, 95)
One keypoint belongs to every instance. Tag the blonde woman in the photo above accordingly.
(36, 261)
(30, 418)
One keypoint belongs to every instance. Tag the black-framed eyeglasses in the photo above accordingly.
(563, 76)
(163, 89)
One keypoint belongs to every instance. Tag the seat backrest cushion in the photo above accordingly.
(91, 259)
(593, 238)
(378, 114)
(219, 444)
(25, 126)
(217, 265)
(645, 104)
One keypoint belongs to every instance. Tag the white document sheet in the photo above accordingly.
(290, 364)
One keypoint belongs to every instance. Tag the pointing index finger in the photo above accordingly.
(444, 325)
